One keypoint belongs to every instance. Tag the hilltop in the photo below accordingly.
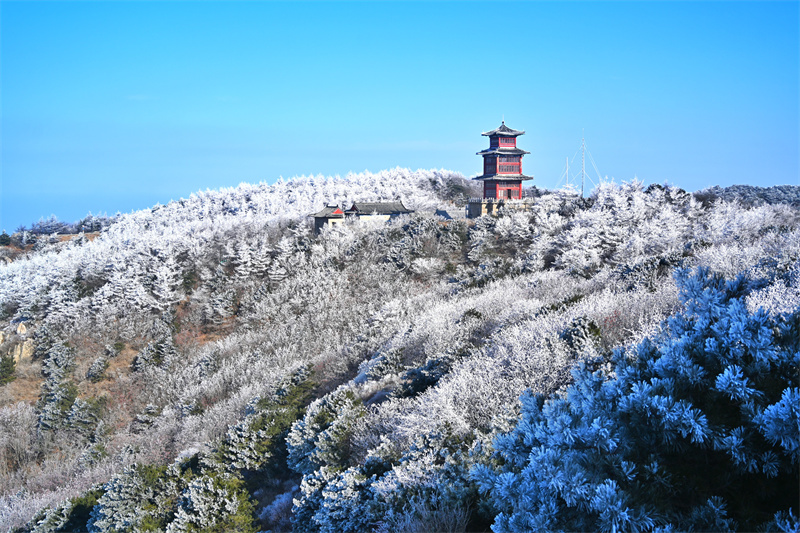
(212, 364)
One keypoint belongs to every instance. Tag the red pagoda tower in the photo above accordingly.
(502, 165)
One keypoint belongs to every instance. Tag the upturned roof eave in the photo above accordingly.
(328, 212)
(504, 130)
(503, 177)
(502, 151)
(378, 208)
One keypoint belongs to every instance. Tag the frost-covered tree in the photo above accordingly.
(321, 437)
(696, 429)
(215, 502)
(58, 391)
(142, 498)
(421, 333)
(257, 442)
(167, 283)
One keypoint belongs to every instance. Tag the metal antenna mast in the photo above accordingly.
(583, 162)
(584, 151)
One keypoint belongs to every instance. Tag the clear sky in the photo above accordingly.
(115, 106)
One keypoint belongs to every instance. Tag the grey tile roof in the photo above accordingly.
(505, 131)
(451, 213)
(329, 211)
(380, 208)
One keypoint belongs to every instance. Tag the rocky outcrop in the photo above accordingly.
(23, 351)
(17, 344)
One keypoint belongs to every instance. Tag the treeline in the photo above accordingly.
(24, 236)
(50, 225)
(752, 196)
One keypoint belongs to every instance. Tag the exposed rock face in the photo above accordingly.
(16, 353)
(22, 351)
(19, 346)
(27, 349)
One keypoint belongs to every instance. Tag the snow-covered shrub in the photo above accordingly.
(694, 429)
(278, 514)
(322, 436)
(579, 333)
(52, 519)
(423, 516)
(386, 363)
(258, 441)
(58, 391)
(18, 432)
(419, 379)
(428, 484)
(215, 502)
(142, 498)
(145, 420)
(84, 416)
(7, 366)
(97, 368)
(155, 354)
(70, 515)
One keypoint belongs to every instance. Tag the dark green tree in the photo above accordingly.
(7, 366)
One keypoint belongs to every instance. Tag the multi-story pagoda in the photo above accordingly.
(502, 165)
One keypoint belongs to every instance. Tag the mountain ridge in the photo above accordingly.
(215, 349)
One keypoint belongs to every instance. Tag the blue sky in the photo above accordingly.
(115, 106)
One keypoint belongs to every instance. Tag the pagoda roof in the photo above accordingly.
(502, 151)
(503, 177)
(505, 131)
(379, 208)
(329, 211)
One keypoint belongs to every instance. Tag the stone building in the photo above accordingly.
(381, 211)
(331, 214)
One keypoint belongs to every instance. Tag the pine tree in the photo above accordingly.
(7, 366)
(167, 286)
(694, 430)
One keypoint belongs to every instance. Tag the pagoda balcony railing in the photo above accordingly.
(498, 200)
